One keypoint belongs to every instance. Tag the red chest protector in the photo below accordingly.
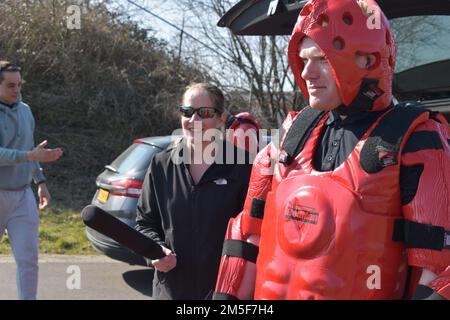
(333, 230)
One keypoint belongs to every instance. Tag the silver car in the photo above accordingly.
(118, 190)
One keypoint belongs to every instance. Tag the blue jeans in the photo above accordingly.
(19, 216)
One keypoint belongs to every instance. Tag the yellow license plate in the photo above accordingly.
(103, 195)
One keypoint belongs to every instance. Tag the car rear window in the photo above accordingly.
(136, 158)
(421, 40)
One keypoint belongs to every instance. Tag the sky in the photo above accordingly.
(167, 9)
(170, 11)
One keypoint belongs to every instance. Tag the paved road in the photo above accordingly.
(80, 278)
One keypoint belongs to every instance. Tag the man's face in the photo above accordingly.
(322, 88)
(10, 87)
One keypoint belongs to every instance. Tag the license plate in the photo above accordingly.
(103, 195)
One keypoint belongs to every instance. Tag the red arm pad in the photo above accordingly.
(232, 269)
(259, 186)
(431, 203)
(261, 181)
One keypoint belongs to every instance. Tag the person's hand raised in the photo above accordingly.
(41, 154)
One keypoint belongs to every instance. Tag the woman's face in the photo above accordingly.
(195, 126)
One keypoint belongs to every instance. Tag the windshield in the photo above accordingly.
(421, 40)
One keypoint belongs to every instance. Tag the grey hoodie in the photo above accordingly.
(16, 139)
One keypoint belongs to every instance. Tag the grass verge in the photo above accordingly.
(61, 231)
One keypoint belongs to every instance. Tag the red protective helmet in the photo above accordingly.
(242, 130)
(243, 118)
(343, 29)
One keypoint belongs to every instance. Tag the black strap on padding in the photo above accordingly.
(223, 296)
(240, 249)
(257, 208)
(423, 140)
(299, 133)
(383, 145)
(420, 235)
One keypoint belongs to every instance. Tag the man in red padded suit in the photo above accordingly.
(354, 203)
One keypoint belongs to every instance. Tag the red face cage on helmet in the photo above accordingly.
(342, 30)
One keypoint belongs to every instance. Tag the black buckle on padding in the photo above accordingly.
(420, 235)
(257, 208)
(240, 249)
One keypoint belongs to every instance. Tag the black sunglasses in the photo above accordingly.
(203, 112)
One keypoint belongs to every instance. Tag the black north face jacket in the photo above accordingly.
(190, 219)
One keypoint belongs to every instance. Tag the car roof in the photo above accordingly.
(250, 17)
(158, 141)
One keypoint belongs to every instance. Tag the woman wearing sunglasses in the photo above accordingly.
(185, 205)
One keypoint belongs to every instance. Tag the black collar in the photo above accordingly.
(335, 117)
(218, 169)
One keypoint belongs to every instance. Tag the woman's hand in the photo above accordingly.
(167, 263)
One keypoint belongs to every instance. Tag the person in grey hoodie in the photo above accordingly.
(19, 165)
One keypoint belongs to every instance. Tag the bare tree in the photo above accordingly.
(254, 67)
(420, 40)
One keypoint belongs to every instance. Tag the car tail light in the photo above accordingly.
(127, 188)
